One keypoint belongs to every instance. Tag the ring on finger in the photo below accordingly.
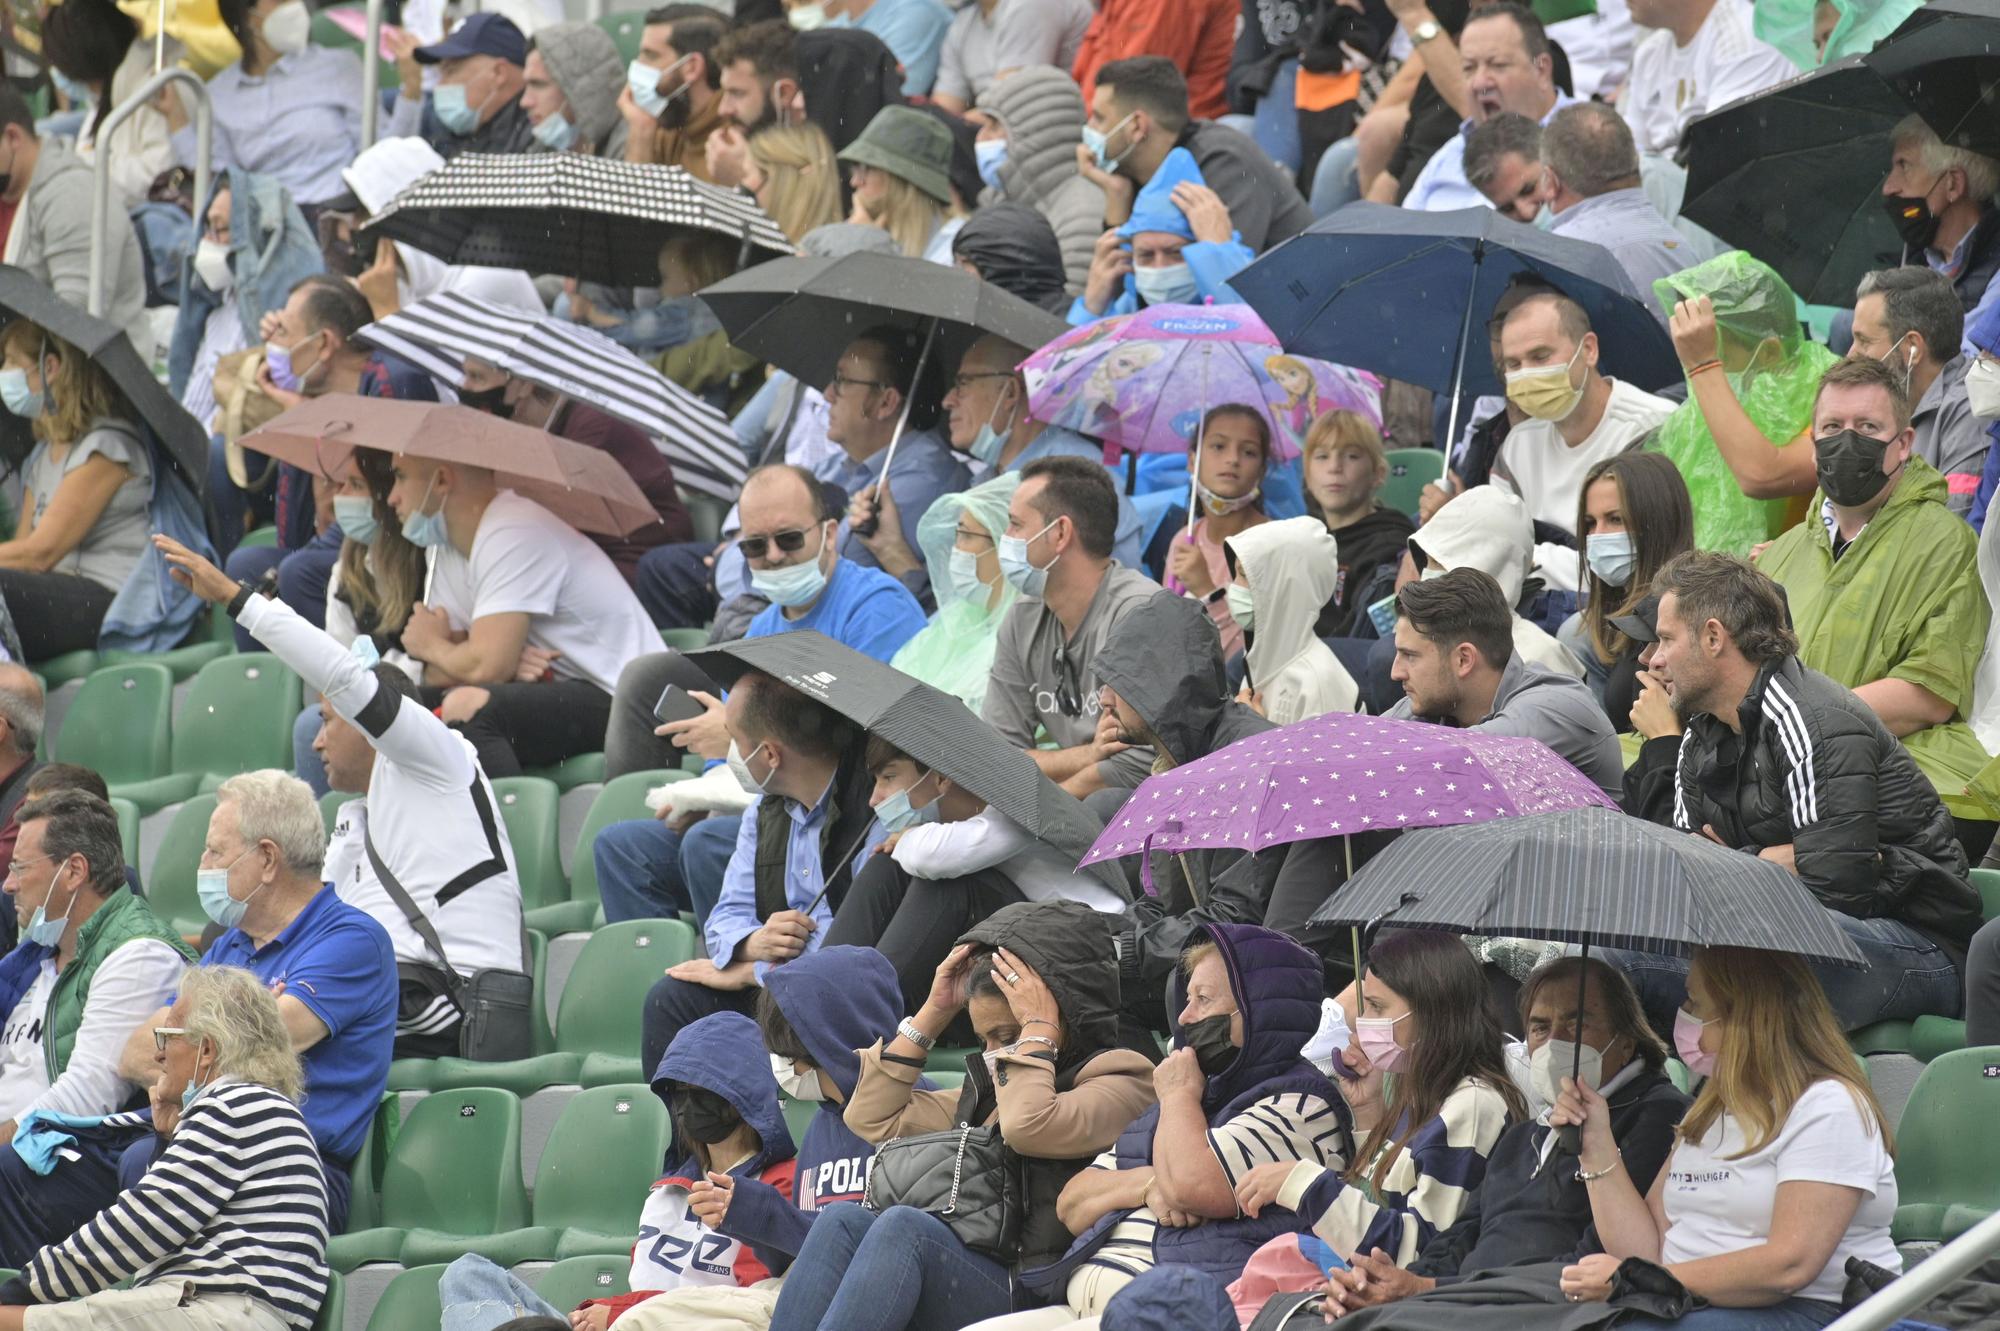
(1013, 977)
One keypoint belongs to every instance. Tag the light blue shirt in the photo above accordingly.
(1129, 546)
(925, 467)
(1441, 186)
(300, 121)
(913, 30)
(735, 915)
(1644, 243)
(862, 608)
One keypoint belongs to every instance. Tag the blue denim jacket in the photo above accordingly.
(271, 248)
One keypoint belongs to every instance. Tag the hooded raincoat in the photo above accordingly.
(1292, 569)
(954, 652)
(1903, 601)
(584, 62)
(1212, 263)
(1015, 249)
(1773, 369)
(271, 249)
(1489, 529)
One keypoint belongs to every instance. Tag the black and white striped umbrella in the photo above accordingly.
(584, 217)
(439, 333)
(1592, 876)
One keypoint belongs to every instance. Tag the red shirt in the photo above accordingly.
(1199, 36)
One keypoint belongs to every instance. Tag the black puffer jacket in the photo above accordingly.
(1814, 768)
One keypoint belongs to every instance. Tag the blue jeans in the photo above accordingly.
(233, 506)
(639, 871)
(479, 1296)
(1277, 119)
(1791, 1315)
(1907, 977)
(705, 853)
(676, 585)
(1335, 184)
(902, 1268)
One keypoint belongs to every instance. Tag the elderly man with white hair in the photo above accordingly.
(228, 1228)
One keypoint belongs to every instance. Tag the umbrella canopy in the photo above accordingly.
(1338, 774)
(1591, 876)
(928, 724)
(180, 437)
(1944, 60)
(584, 217)
(1398, 292)
(1142, 381)
(439, 333)
(799, 314)
(580, 485)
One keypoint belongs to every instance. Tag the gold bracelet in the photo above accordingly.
(1582, 1177)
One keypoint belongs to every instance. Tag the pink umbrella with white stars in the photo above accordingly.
(1336, 775)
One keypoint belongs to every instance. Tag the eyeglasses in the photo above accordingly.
(162, 1034)
(14, 867)
(840, 383)
(788, 542)
(960, 382)
(965, 535)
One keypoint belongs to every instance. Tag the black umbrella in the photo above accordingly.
(1945, 62)
(584, 217)
(928, 724)
(180, 438)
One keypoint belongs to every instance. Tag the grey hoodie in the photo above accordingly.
(584, 62)
(50, 239)
(1043, 112)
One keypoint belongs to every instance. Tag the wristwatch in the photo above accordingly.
(908, 1030)
(1424, 31)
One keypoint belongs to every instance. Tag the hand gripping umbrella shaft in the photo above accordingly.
(866, 527)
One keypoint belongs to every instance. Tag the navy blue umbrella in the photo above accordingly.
(1398, 292)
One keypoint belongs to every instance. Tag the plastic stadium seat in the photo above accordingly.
(528, 806)
(418, 1074)
(706, 512)
(626, 30)
(237, 718)
(596, 1020)
(185, 661)
(584, 769)
(1677, 1073)
(329, 806)
(333, 1309)
(948, 1058)
(170, 889)
(606, 1150)
(128, 827)
(685, 640)
(120, 724)
(1988, 883)
(266, 538)
(1884, 1037)
(364, 1192)
(798, 1115)
(1947, 1154)
(70, 665)
(620, 800)
(455, 1169)
(569, 1284)
(409, 1302)
(1934, 1037)
(1410, 470)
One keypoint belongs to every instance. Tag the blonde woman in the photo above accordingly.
(85, 487)
(227, 1229)
(1785, 1167)
(794, 176)
(902, 181)
(380, 574)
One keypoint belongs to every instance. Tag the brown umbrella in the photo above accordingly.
(580, 485)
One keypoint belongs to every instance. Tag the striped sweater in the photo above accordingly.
(1427, 1185)
(235, 1204)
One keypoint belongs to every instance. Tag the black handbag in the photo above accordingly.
(965, 1176)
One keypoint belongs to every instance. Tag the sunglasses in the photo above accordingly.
(1069, 696)
(788, 542)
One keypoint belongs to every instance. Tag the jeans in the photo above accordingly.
(480, 1296)
(899, 1269)
(234, 508)
(629, 742)
(1369, 660)
(37, 1210)
(1334, 182)
(305, 763)
(1277, 119)
(673, 1004)
(1982, 986)
(1791, 1315)
(1907, 976)
(534, 725)
(705, 853)
(639, 871)
(303, 575)
(1571, 634)
(676, 586)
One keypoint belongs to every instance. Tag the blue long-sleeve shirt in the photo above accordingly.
(735, 915)
(300, 121)
(914, 31)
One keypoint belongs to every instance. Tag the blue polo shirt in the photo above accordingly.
(862, 608)
(338, 962)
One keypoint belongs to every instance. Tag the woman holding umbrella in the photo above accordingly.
(84, 493)
(1785, 1166)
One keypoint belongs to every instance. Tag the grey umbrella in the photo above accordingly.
(180, 437)
(928, 724)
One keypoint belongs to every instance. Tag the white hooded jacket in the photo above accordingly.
(1488, 529)
(1291, 569)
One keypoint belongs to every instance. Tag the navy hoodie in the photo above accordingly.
(837, 1000)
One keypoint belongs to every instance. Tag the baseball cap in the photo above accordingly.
(1643, 624)
(481, 34)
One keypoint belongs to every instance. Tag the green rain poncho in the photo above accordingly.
(954, 652)
(1774, 371)
(1788, 25)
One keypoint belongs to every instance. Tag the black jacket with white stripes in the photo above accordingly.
(1815, 768)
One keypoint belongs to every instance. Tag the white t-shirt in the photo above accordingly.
(991, 840)
(135, 981)
(1671, 85)
(1540, 467)
(23, 1073)
(1715, 1204)
(526, 560)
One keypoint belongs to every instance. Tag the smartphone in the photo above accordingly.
(1382, 615)
(677, 704)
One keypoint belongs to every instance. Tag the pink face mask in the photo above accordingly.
(1687, 1043)
(1377, 1038)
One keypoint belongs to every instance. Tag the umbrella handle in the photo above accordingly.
(869, 525)
(1569, 1136)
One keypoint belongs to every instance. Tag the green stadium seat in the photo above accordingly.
(185, 661)
(528, 807)
(1933, 1037)
(329, 806)
(1947, 1154)
(1988, 883)
(598, 1018)
(170, 889)
(620, 800)
(237, 718)
(625, 29)
(948, 1058)
(685, 640)
(364, 1192)
(58, 670)
(333, 1308)
(455, 1169)
(410, 1301)
(1410, 470)
(583, 769)
(1884, 1037)
(128, 828)
(572, 1283)
(798, 1116)
(945, 1081)
(419, 1074)
(606, 1150)
(120, 724)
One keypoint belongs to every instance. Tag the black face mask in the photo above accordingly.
(1913, 219)
(492, 401)
(1209, 1038)
(702, 1114)
(1849, 465)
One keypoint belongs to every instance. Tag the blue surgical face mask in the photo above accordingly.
(425, 530)
(1242, 606)
(991, 154)
(795, 584)
(211, 886)
(1014, 565)
(79, 96)
(896, 814)
(356, 516)
(20, 399)
(644, 83)
(1097, 141)
(43, 931)
(1545, 220)
(556, 132)
(1610, 556)
(1171, 285)
(193, 1092)
(456, 114)
(987, 444)
(965, 579)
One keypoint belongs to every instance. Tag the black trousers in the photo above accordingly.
(54, 613)
(534, 725)
(914, 922)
